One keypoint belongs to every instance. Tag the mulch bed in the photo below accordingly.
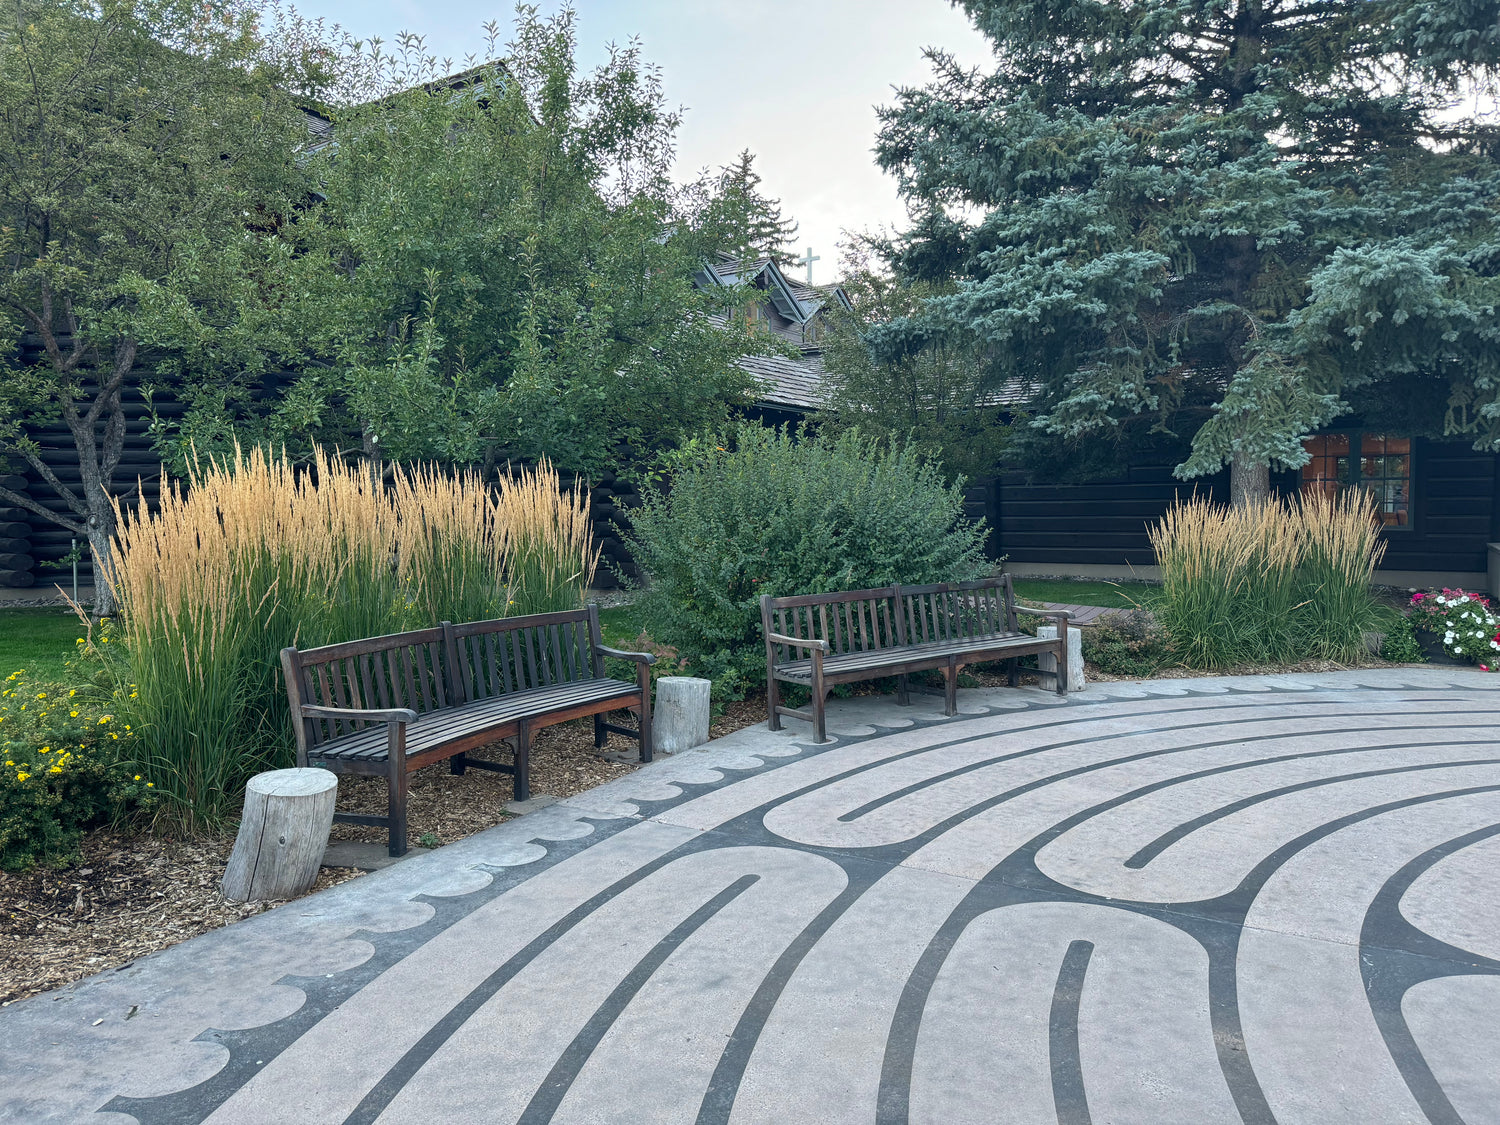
(130, 895)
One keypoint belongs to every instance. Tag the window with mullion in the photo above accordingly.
(1377, 463)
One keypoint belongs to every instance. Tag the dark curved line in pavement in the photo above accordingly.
(1069, 1097)
(560, 1079)
(724, 1084)
(894, 1098)
(1386, 984)
(959, 771)
(1150, 851)
(418, 1054)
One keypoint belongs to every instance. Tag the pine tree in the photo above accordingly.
(1239, 218)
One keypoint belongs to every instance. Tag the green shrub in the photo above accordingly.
(1127, 645)
(1399, 645)
(779, 512)
(66, 769)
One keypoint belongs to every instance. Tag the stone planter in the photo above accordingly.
(1432, 648)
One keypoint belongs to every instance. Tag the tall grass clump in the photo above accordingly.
(451, 549)
(246, 558)
(1276, 582)
(781, 512)
(252, 555)
(1342, 549)
(548, 542)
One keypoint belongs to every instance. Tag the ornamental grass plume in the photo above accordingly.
(548, 542)
(252, 555)
(1275, 582)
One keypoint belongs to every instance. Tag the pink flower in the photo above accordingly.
(1417, 597)
(1484, 667)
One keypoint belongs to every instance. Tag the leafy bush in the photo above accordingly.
(1127, 645)
(256, 556)
(1269, 583)
(779, 512)
(1399, 645)
(65, 769)
(1470, 630)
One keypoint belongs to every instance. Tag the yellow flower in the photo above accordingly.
(105, 719)
(46, 749)
(41, 695)
(73, 713)
(10, 763)
(150, 785)
(137, 777)
(55, 769)
(72, 693)
(112, 735)
(22, 776)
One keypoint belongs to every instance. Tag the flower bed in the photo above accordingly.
(1464, 622)
(66, 769)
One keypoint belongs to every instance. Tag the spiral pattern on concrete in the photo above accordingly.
(1246, 907)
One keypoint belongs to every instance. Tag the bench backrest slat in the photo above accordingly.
(432, 669)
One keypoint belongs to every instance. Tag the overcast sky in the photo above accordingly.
(794, 82)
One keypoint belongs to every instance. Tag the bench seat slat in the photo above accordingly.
(432, 731)
(800, 671)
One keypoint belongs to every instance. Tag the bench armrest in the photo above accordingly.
(393, 715)
(799, 642)
(621, 654)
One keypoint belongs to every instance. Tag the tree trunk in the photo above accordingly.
(1249, 482)
(101, 541)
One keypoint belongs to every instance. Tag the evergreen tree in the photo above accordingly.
(1239, 218)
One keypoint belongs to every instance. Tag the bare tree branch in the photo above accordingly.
(19, 500)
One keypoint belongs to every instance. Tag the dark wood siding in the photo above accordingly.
(1099, 523)
(1456, 512)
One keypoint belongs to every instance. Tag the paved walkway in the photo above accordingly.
(1198, 901)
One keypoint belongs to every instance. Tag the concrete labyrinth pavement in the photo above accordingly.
(1270, 899)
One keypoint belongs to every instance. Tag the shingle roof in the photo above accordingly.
(788, 382)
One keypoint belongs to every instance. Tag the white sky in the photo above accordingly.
(795, 82)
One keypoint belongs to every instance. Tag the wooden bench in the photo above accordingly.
(386, 706)
(818, 640)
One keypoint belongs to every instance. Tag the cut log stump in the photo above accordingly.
(1047, 663)
(682, 712)
(283, 832)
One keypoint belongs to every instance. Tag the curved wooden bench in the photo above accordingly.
(386, 706)
(818, 640)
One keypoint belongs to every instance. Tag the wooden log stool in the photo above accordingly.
(284, 829)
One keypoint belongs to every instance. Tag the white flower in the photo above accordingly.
(1457, 651)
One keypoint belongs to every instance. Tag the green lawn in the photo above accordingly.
(1116, 595)
(621, 625)
(39, 640)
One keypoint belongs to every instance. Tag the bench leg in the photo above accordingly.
(1062, 662)
(820, 722)
(903, 691)
(601, 736)
(1013, 671)
(397, 786)
(950, 689)
(522, 788)
(773, 701)
(458, 763)
(643, 679)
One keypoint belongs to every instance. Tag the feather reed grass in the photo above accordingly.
(1275, 582)
(252, 555)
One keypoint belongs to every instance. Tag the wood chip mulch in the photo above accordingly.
(131, 895)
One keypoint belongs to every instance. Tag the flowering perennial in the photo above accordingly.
(1469, 628)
